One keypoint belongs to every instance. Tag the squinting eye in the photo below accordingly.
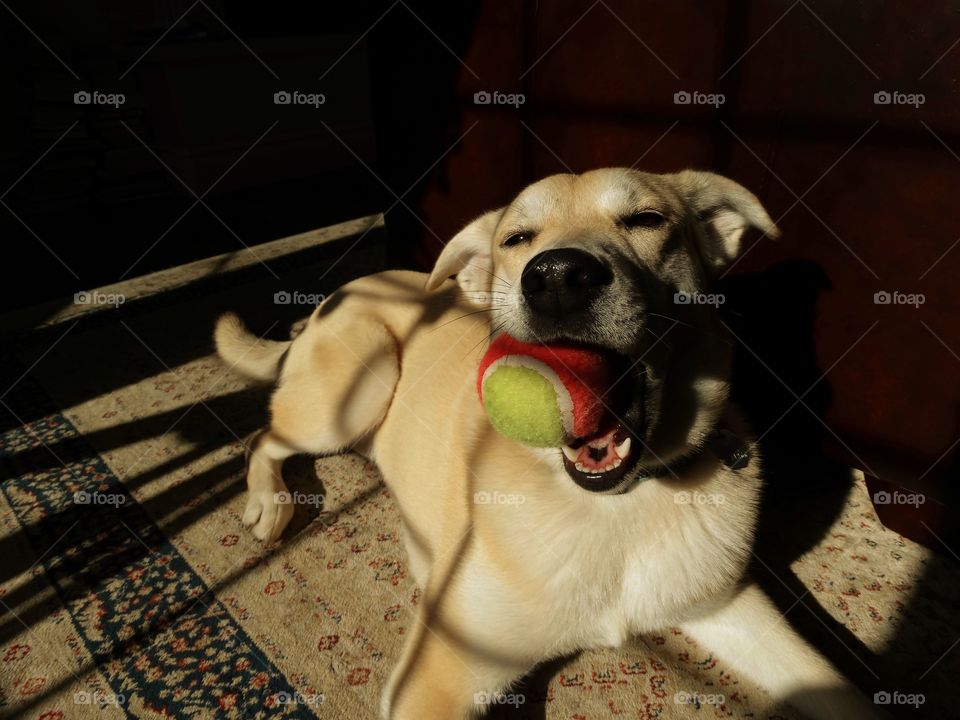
(643, 219)
(517, 239)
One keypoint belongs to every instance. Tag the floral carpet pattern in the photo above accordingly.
(130, 588)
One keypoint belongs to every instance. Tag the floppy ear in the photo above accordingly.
(725, 209)
(468, 256)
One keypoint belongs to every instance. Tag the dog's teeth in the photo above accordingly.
(623, 449)
(579, 466)
(617, 463)
(571, 454)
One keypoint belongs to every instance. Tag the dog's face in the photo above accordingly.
(621, 260)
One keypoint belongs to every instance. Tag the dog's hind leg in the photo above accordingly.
(336, 386)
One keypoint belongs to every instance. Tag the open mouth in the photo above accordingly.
(603, 461)
(592, 393)
(600, 463)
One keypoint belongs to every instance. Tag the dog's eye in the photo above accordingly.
(517, 239)
(643, 219)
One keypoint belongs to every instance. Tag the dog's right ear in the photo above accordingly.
(468, 256)
(725, 210)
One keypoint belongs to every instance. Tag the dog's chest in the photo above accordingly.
(658, 579)
(602, 578)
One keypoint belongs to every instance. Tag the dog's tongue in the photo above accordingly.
(601, 452)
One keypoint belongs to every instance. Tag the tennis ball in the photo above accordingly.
(543, 395)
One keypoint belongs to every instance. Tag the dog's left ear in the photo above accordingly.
(468, 256)
(725, 209)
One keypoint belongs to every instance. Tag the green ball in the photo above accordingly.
(522, 404)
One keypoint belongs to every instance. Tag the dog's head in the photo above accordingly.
(622, 260)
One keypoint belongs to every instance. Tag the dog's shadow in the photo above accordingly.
(773, 315)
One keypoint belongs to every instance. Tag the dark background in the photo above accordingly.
(864, 192)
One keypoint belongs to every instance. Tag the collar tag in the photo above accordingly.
(729, 448)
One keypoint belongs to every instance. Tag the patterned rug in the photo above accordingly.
(130, 589)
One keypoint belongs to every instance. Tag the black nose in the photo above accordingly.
(563, 281)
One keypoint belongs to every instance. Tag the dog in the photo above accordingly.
(526, 554)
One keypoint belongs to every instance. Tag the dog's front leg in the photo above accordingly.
(750, 635)
(442, 675)
(453, 665)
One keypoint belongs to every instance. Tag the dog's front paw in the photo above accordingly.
(267, 513)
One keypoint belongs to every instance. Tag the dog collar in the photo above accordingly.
(728, 447)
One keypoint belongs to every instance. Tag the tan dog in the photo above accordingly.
(525, 554)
